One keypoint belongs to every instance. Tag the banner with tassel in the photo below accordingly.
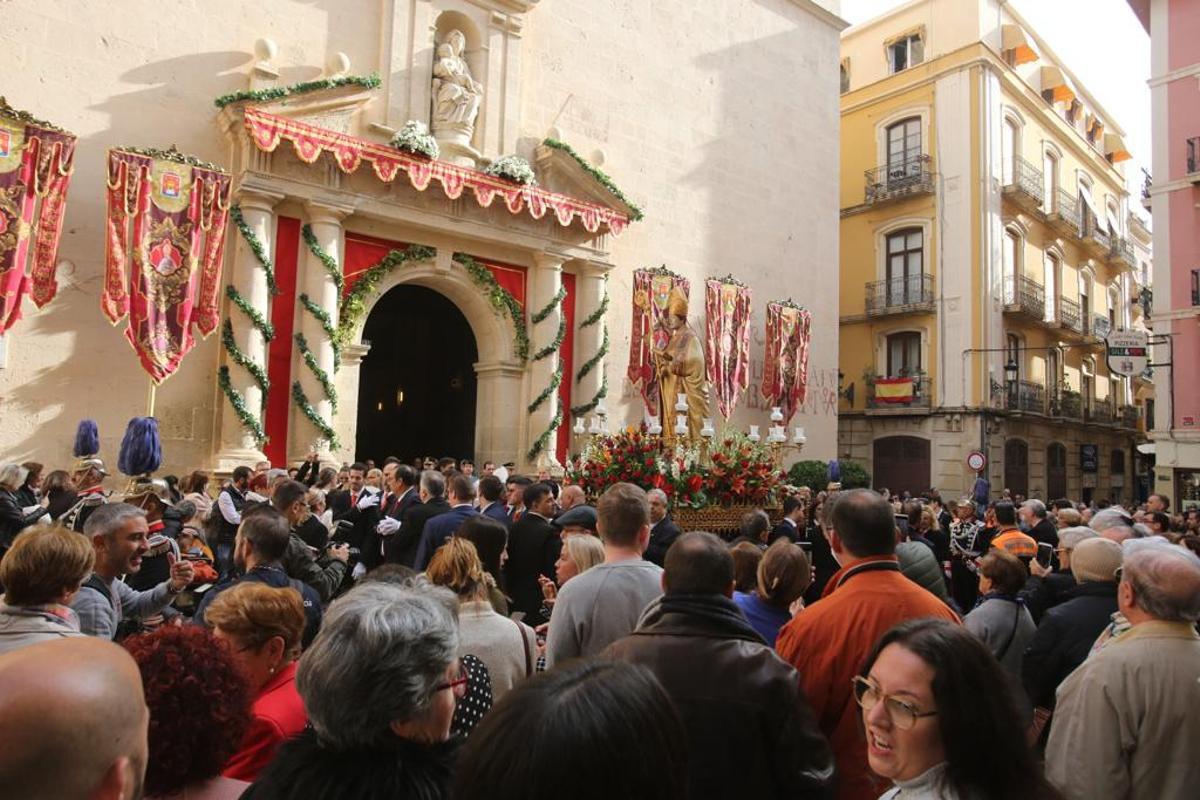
(35, 171)
(651, 289)
(165, 242)
(785, 366)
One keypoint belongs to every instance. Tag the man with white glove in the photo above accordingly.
(362, 510)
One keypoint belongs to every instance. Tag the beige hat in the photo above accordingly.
(1096, 560)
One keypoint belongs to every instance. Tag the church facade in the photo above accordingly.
(377, 301)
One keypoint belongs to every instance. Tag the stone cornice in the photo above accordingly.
(822, 13)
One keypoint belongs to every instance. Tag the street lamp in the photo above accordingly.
(1010, 380)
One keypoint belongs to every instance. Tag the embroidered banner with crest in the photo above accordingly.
(727, 327)
(651, 289)
(785, 368)
(35, 170)
(165, 241)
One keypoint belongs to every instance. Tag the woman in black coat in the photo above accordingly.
(13, 518)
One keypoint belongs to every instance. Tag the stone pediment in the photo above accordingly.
(334, 108)
(560, 170)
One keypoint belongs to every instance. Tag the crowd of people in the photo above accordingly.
(420, 630)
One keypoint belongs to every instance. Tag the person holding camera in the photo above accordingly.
(324, 575)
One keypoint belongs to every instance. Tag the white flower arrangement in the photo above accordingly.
(415, 137)
(512, 168)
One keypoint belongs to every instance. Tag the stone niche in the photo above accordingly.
(491, 31)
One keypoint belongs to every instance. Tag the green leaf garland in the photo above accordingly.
(321, 375)
(500, 298)
(244, 361)
(591, 363)
(354, 304)
(238, 402)
(635, 212)
(555, 381)
(322, 316)
(598, 314)
(260, 322)
(276, 92)
(306, 408)
(256, 246)
(544, 439)
(548, 309)
(552, 348)
(331, 265)
(601, 393)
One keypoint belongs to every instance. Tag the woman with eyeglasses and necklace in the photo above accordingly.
(380, 683)
(263, 627)
(929, 727)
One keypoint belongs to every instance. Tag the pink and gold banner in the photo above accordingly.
(727, 328)
(651, 290)
(165, 242)
(309, 142)
(35, 171)
(785, 368)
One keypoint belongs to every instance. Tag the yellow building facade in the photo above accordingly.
(985, 256)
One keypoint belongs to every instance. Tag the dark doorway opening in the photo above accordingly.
(1016, 467)
(902, 464)
(417, 385)
(1056, 472)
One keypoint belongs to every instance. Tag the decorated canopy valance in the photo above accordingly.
(267, 130)
(35, 164)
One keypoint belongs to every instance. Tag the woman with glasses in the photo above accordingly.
(380, 683)
(262, 626)
(929, 727)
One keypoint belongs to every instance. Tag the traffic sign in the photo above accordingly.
(976, 461)
(1128, 352)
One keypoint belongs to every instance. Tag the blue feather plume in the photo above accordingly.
(87, 439)
(835, 471)
(141, 452)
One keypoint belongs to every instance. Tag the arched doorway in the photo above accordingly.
(1016, 467)
(1056, 472)
(417, 384)
(901, 463)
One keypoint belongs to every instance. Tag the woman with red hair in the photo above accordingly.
(199, 709)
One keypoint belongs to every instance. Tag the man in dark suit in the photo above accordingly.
(1041, 527)
(361, 508)
(663, 531)
(791, 527)
(412, 524)
(516, 486)
(533, 547)
(443, 526)
(490, 490)
(402, 495)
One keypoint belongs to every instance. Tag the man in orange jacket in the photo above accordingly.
(829, 641)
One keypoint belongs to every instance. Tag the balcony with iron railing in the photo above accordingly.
(1066, 403)
(1069, 317)
(1093, 235)
(919, 397)
(1024, 186)
(1064, 216)
(1024, 296)
(907, 294)
(1026, 396)
(1100, 328)
(1147, 185)
(1100, 412)
(1121, 253)
(1193, 158)
(899, 179)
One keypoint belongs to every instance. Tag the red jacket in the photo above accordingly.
(828, 643)
(277, 714)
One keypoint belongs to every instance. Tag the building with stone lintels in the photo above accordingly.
(986, 253)
(719, 120)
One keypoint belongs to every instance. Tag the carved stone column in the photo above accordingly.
(317, 282)
(590, 287)
(237, 442)
(546, 283)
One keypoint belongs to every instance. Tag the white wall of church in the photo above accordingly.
(720, 118)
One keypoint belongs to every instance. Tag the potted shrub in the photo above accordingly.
(416, 139)
(512, 168)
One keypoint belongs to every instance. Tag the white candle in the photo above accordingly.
(681, 427)
(777, 434)
(799, 437)
(681, 402)
(654, 428)
(594, 426)
(707, 430)
(600, 409)
(776, 414)
(579, 425)
(754, 437)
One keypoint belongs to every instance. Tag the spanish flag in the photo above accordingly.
(893, 390)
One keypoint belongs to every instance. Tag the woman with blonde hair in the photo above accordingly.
(14, 517)
(783, 574)
(263, 627)
(579, 554)
(41, 574)
(505, 646)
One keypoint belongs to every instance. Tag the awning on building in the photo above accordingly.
(1054, 81)
(1114, 148)
(1014, 40)
(1146, 448)
(1086, 193)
